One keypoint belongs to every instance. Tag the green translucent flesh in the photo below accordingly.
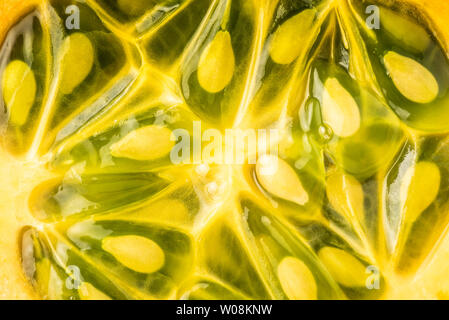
(140, 15)
(420, 110)
(429, 215)
(79, 257)
(363, 147)
(301, 167)
(274, 243)
(232, 41)
(98, 151)
(134, 8)
(330, 239)
(82, 93)
(168, 44)
(225, 257)
(84, 89)
(105, 191)
(282, 49)
(290, 63)
(24, 105)
(90, 194)
(204, 289)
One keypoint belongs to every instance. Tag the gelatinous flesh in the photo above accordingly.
(232, 149)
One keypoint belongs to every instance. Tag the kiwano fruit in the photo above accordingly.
(135, 161)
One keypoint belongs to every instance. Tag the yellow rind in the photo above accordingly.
(14, 215)
(13, 284)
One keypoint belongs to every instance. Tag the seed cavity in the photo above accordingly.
(217, 63)
(278, 178)
(345, 195)
(340, 110)
(144, 144)
(88, 292)
(77, 61)
(344, 267)
(288, 40)
(419, 188)
(19, 91)
(134, 7)
(55, 284)
(412, 79)
(168, 211)
(42, 274)
(405, 30)
(296, 279)
(135, 252)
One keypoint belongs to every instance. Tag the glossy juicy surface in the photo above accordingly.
(358, 199)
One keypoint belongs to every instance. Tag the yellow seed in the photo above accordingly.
(344, 268)
(419, 188)
(278, 178)
(296, 279)
(217, 63)
(345, 195)
(19, 91)
(413, 80)
(89, 292)
(340, 110)
(404, 30)
(135, 252)
(288, 40)
(135, 7)
(77, 61)
(146, 143)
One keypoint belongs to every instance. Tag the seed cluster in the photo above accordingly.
(356, 182)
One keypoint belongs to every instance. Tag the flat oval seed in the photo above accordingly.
(217, 63)
(136, 253)
(288, 40)
(404, 30)
(277, 177)
(77, 61)
(296, 279)
(19, 91)
(344, 268)
(144, 144)
(419, 188)
(340, 110)
(413, 80)
(345, 195)
(89, 292)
